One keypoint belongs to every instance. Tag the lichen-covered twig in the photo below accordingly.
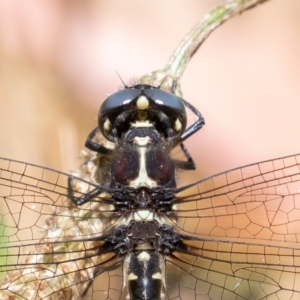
(171, 73)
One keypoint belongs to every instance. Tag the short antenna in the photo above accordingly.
(163, 80)
(125, 86)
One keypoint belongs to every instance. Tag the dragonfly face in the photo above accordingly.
(142, 103)
(132, 232)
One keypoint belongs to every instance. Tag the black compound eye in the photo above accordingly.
(112, 107)
(170, 103)
(182, 117)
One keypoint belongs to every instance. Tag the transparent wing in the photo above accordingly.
(107, 286)
(259, 201)
(239, 248)
(245, 232)
(218, 270)
(49, 248)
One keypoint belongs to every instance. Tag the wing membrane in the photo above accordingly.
(260, 201)
(241, 230)
(49, 246)
(244, 228)
(218, 270)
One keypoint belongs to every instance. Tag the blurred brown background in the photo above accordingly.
(58, 61)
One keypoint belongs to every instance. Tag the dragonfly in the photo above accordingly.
(124, 229)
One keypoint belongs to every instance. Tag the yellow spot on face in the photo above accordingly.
(142, 103)
(107, 125)
(177, 125)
